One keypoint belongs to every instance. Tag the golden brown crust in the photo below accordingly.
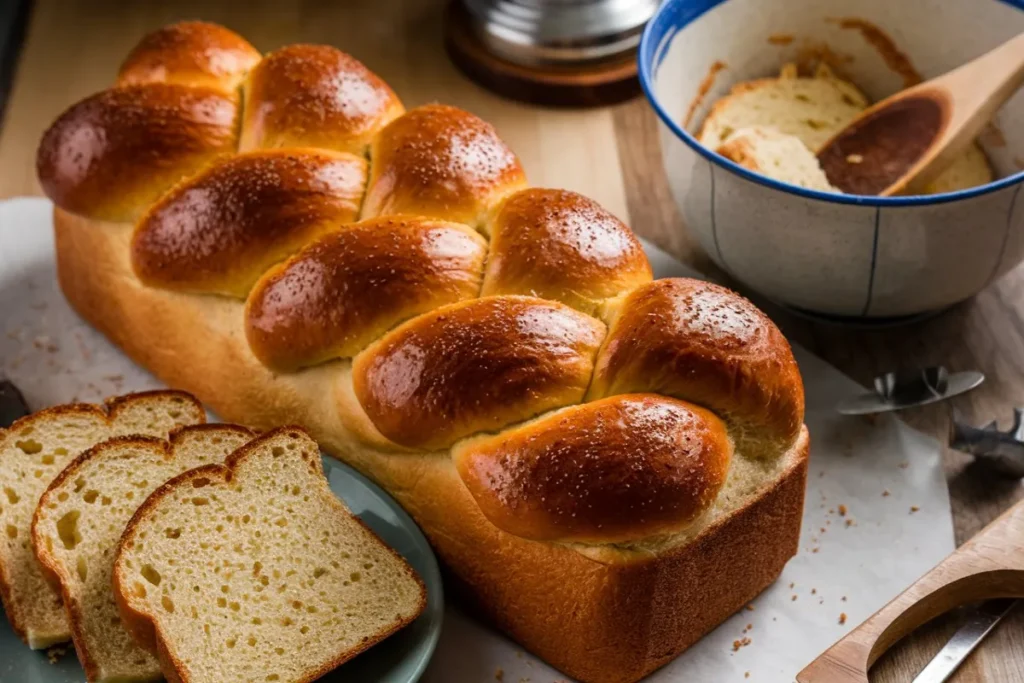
(475, 366)
(111, 155)
(605, 621)
(616, 470)
(219, 231)
(708, 345)
(556, 244)
(315, 96)
(442, 162)
(115, 405)
(741, 150)
(145, 629)
(348, 288)
(190, 53)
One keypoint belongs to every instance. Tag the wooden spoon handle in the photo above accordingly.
(983, 85)
(990, 565)
(970, 96)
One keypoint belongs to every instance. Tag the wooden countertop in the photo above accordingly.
(72, 48)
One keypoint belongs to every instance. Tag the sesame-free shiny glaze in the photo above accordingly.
(190, 53)
(442, 162)
(316, 96)
(475, 366)
(349, 287)
(705, 344)
(221, 230)
(111, 155)
(615, 470)
(587, 256)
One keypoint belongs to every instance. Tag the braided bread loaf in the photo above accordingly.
(609, 465)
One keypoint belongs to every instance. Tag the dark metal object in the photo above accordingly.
(12, 404)
(1001, 451)
(559, 32)
(566, 53)
(14, 16)
(907, 389)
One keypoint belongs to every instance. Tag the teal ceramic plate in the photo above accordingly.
(399, 659)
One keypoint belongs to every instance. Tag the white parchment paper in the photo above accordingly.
(877, 513)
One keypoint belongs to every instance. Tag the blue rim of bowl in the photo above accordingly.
(671, 18)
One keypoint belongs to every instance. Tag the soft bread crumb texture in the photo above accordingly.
(32, 453)
(811, 110)
(780, 156)
(79, 523)
(281, 582)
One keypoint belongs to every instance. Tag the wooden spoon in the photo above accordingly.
(905, 141)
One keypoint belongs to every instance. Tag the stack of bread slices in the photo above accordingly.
(167, 547)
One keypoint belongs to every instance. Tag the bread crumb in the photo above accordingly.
(814, 550)
(746, 674)
(913, 509)
(886, 494)
(854, 158)
(793, 599)
(737, 644)
(904, 465)
(842, 510)
(842, 618)
(843, 598)
(750, 607)
(55, 653)
(850, 523)
(43, 343)
(792, 584)
(814, 591)
(499, 674)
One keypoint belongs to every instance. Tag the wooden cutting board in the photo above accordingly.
(401, 40)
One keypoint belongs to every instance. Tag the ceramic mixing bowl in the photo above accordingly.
(837, 255)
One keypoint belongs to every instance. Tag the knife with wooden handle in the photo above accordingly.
(987, 567)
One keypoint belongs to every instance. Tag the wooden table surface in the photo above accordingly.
(73, 47)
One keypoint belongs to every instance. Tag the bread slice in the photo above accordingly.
(971, 169)
(777, 155)
(812, 110)
(255, 571)
(33, 451)
(80, 519)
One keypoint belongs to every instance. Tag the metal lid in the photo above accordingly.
(559, 32)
